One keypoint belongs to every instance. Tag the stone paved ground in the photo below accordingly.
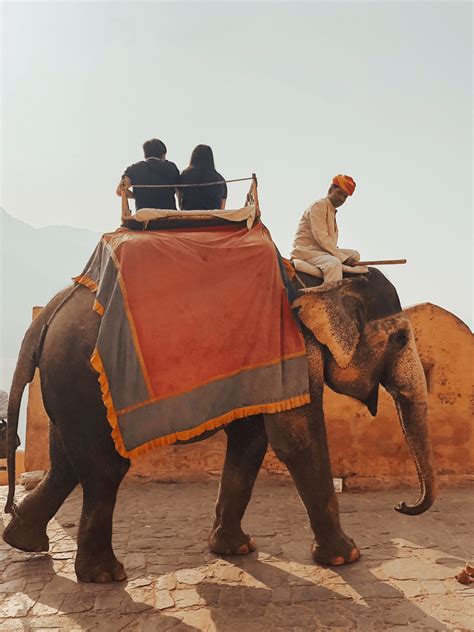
(405, 577)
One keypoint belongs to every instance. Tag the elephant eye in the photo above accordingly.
(399, 338)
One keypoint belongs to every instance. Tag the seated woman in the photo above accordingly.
(201, 169)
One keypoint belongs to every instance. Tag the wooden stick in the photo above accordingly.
(385, 262)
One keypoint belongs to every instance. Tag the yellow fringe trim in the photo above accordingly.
(97, 307)
(88, 282)
(182, 435)
(96, 362)
(93, 287)
(291, 272)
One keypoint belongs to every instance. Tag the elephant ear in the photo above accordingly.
(334, 313)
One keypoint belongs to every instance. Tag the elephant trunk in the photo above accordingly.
(406, 383)
(413, 418)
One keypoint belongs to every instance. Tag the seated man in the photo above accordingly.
(155, 169)
(316, 237)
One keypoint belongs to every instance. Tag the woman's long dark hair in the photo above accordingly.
(202, 170)
(202, 159)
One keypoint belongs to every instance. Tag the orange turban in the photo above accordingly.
(346, 183)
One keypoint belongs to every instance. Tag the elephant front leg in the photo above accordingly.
(246, 446)
(298, 438)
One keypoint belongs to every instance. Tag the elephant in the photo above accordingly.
(357, 337)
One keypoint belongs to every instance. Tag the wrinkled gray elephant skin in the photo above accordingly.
(356, 337)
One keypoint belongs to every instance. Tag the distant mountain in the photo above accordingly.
(35, 263)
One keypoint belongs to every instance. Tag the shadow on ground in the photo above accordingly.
(405, 577)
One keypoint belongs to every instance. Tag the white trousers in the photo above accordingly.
(331, 266)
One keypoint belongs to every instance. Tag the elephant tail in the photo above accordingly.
(24, 373)
(28, 360)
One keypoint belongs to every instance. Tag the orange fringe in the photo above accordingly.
(97, 307)
(291, 272)
(182, 435)
(85, 280)
(93, 287)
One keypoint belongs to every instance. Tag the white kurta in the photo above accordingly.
(316, 240)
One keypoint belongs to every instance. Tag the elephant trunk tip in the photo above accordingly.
(416, 509)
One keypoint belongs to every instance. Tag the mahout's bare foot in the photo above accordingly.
(338, 551)
(26, 535)
(230, 542)
(100, 571)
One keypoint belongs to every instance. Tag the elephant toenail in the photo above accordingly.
(338, 561)
(355, 555)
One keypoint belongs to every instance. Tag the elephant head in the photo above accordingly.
(367, 340)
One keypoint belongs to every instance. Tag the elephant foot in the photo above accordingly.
(341, 550)
(26, 536)
(225, 542)
(98, 571)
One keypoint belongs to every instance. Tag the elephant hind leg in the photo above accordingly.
(27, 529)
(100, 476)
(246, 446)
(299, 441)
(95, 559)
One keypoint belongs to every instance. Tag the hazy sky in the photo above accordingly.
(295, 92)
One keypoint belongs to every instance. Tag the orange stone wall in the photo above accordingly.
(20, 467)
(366, 452)
(36, 444)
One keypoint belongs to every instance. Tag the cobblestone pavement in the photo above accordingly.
(405, 577)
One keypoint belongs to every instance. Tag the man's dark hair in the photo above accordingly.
(154, 148)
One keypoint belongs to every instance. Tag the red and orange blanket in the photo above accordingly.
(196, 331)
